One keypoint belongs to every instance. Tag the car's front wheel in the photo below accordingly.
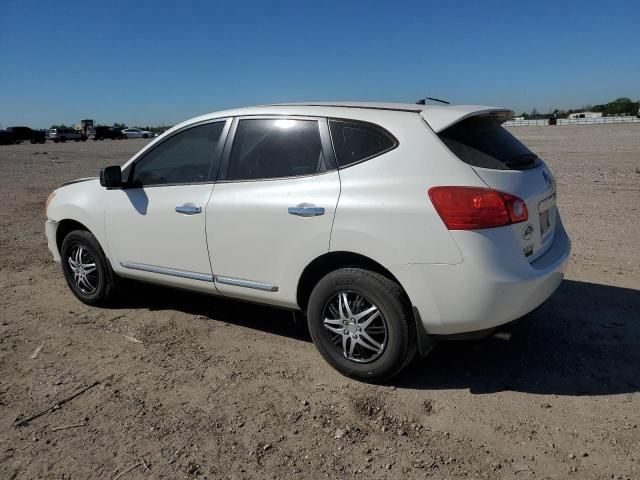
(86, 268)
(361, 323)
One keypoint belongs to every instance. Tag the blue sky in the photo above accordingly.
(152, 62)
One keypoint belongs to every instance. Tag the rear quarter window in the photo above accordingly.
(355, 142)
(484, 142)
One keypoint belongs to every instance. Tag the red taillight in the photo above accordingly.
(471, 208)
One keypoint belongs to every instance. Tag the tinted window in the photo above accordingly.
(185, 157)
(356, 141)
(272, 148)
(483, 142)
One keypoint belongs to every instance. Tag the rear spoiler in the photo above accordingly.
(440, 117)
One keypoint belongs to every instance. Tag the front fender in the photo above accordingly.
(82, 202)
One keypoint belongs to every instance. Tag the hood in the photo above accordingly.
(86, 179)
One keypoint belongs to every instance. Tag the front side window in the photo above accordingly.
(274, 148)
(186, 157)
(357, 141)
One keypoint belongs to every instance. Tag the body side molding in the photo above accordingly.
(205, 277)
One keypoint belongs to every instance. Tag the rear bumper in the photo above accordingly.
(50, 229)
(494, 285)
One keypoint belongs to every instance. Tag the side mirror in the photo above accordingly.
(111, 177)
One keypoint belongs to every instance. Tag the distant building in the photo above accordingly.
(586, 115)
(85, 125)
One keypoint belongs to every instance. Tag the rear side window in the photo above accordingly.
(357, 141)
(275, 148)
(483, 142)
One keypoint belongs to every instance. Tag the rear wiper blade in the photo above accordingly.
(523, 159)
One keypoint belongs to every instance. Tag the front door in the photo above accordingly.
(272, 210)
(156, 224)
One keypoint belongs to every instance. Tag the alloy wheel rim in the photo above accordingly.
(356, 326)
(84, 269)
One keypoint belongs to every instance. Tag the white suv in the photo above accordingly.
(389, 225)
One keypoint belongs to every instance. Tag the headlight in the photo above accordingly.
(49, 198)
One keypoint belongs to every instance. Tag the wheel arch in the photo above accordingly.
(331, 261)
(65, 227)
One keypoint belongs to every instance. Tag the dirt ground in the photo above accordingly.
(220, 389)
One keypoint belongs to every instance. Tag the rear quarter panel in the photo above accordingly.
(384, 210)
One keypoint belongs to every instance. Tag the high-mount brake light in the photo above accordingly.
(473, 208)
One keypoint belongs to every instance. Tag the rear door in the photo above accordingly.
(272, 209)
(505, 164)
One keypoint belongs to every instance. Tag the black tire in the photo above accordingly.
(104, 280)
(63, 139)
(145, 136)
(399, 345)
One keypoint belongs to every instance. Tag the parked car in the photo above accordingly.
(136, 133)
(6, 138)
(64, 134)
(391, 226)
(111, 133)
(13, 135)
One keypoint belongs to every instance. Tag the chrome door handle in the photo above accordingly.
(306, 210)
(188, 209)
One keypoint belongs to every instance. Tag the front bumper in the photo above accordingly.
(50, 230)
(494, 285)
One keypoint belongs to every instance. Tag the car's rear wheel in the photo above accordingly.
(86, 268)
(360, 322)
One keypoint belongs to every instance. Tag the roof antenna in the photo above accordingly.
(424, 101)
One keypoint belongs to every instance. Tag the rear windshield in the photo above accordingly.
(483, 142)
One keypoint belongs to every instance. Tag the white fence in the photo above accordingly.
(572, 121)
